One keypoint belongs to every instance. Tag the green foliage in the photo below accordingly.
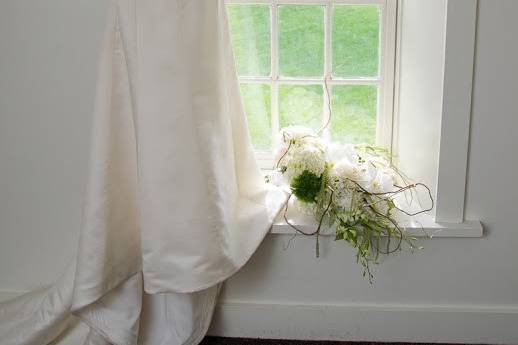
(362, 232)
(368, 225)
(371, 229)
(374, 150)
(362, 219)
(306, 186)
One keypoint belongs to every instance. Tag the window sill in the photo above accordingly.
(423, 225)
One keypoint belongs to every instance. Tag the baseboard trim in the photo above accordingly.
(363, 322)
(387, 323)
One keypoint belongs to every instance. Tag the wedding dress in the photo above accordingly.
(175, 202)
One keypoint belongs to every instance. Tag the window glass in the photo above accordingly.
(250, 35)
(284, 57)
(257, 103)
(301, 41)
(355, 40)
(354, 114)
(300, 104)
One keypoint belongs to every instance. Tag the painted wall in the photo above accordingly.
(47, 78)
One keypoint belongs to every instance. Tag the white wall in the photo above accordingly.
(47, 72)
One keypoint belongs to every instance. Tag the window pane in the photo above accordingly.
(257, 103)
(301, 40)
(300, 105)
(355, 40)
(354, 111)
(250, 34)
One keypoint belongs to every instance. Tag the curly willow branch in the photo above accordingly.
(319, 227)
(326, 88)
(399, 190)
(323, 128)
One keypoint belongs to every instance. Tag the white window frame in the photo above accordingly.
(449, 219)
(456, 110)
(384, 81)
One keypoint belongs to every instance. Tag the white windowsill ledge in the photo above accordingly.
(423, 225)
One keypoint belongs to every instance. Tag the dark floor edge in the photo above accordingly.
(250, 341)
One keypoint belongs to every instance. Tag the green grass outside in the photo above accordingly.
(301, 53)
(257, 103)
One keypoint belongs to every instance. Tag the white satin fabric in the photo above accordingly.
(205, 206)
(175, 202)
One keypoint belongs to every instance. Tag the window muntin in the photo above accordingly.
(286, 50)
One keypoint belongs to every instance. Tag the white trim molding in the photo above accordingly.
(422, 225)
(456, 110)
(361, 322)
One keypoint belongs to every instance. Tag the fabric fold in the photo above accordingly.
(204, 205)
(104, 286)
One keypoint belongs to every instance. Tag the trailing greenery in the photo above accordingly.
(352, 189)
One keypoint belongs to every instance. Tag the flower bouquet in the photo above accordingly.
(353, 188)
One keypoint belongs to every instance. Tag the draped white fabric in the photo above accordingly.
(204, 202)
(175, 202)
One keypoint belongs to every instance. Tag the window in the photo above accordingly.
(432, 107)
(288, 51)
